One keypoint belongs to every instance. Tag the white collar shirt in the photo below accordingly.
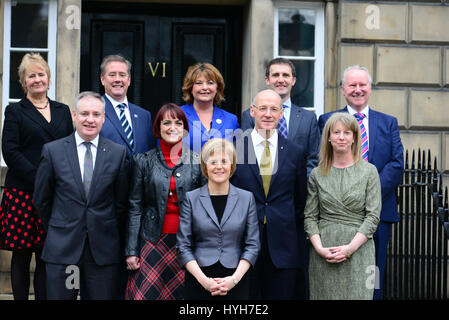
(81, 149)
(259, 145)
(115, 104)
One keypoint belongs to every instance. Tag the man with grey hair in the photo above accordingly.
(381, 146)
(81, 192)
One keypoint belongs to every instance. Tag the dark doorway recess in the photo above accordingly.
(161, 41)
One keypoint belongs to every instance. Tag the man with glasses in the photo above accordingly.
(274, 170)
(297, 124)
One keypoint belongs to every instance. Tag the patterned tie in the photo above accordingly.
(88, 167)
(266, 170)
(126, 127)
(360, 117)
(282, 125)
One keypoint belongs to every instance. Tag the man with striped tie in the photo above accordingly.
(381, 146)
(125, 123)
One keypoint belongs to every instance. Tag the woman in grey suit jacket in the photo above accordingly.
(218, 235)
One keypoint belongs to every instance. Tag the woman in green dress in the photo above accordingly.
(341, 215)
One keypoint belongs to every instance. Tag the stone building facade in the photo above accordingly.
(404, 44)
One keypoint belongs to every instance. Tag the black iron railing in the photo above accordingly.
(417, 261)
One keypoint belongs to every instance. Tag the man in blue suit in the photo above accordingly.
(301, 128)
(120, 113)
(301, 124)
(385, 151)
(275, 171)
(125, 123)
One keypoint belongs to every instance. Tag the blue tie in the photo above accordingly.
(126, 127)
(282, 125)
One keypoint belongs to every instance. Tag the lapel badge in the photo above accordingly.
(218, 121)
(136, 115)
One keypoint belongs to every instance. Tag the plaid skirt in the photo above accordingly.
(160, 276)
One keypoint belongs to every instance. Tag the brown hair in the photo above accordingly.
(326, 151)
(210, 73)
(174, 111)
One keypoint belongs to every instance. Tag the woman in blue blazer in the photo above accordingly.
(203, 90)
(218, 235)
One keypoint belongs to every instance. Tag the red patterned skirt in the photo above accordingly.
(20, 227)
(160, 276)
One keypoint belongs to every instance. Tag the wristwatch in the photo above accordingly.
(234, 279)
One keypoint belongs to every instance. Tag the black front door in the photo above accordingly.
(161, 41)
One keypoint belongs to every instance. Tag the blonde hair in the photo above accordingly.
(218, 145)
(27, 60)
(326, 150)
(210, 73)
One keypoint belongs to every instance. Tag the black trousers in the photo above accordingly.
(100, 282)
(267, 282)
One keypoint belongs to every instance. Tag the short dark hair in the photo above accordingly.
(174, 111)
(280, 61)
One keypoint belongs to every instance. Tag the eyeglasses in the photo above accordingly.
(264, 109)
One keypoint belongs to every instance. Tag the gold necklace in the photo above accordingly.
(42, 108)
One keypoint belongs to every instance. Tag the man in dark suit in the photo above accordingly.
(301, 124)
(301, 127)
(125, 123)
(274, 170)
(81, 190)
(384, 150)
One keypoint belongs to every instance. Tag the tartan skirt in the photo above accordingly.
(160, 276)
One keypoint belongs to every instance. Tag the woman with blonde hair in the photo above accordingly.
(218, 235)
(341, 215)
(29, 124)
(203, 92)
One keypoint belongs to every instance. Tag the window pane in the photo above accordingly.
(15, 88)
(302, 92)
(296, 32)
(29, 23)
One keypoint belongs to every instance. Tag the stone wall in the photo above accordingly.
(404, 44)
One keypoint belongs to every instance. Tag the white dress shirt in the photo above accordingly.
(115, 104)
(259, 145)
(287, 111)
(81, 149)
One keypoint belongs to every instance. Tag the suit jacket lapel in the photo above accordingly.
(280, 158)
(251, 160)
(230, 204)
(134, 121)
(217, 119)
(35, 116)
(372, 132)
(207, 204)
(112, 116)
(295, 119)
(72, 157)
(102, 149)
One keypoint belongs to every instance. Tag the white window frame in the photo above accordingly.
(7, 49)
(318, 85)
